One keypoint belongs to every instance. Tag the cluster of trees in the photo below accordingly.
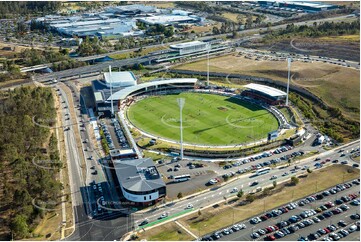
(159, 29)
(67, 64)
(12, 71)
(317, 30)
(329, 120)
(31, 57)
(22, 8)
(22, 141)
(90, 46)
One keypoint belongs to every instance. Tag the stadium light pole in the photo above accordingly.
(181, 102)
(288, 81)
(208, 68)
(111, 90)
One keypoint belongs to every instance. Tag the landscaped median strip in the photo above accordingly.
(165, 219)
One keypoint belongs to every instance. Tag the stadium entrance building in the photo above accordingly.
(124, 86)
(139, 181)
(101, 90)
(264, 93)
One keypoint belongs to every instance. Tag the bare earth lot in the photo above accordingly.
(338, 86)
(340, 47)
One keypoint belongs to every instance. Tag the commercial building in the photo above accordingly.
(306, 6)
(139, 181)
(264, 93)
(190, 47)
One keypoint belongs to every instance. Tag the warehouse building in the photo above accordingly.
(139, 181)
(300, 5)
(264, 93)
(171, 19)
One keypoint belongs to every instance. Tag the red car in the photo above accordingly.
(275, 227)
(269, 230)
(271, 237)
(327, 230)
(328, 159)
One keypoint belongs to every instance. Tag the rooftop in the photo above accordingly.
(118, 152)
(123, 93)
(273, 92)
(187, 44)
(118, 77)
(166, 19)
(138, 175)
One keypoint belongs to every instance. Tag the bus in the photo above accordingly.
(182, 178)
(263, 171)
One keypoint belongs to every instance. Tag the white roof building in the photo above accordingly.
(271, 91)
(120, 79)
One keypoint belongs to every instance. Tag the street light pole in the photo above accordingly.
(181, 102)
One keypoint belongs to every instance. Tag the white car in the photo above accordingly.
(234, 190)
(164, 215)
(273, 177)
(189, 206)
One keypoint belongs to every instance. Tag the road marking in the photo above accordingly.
(227, 190)
(220, 193)
(205, 198)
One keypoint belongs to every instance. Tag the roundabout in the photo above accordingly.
(208, 119)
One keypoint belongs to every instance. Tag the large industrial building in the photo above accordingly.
(170, 19)
(264, 93)
(300, 5)
(115, 22)
(139, 181)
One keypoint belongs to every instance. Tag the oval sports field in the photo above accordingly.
(208, 119)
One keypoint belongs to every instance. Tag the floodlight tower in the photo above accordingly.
(208, 68)
(181, 102)
(289, 60)
(111, 90)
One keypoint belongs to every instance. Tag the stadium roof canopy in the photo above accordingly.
(138, 175)
(273, 92)
(122, 94)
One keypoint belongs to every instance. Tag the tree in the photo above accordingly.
(274, 184)
(250, 198)
(215, 30)
(19, 226)
(180, 195)
(309, 170)
(266, 191)
(199, 212)
(294, 180)
(240, 194)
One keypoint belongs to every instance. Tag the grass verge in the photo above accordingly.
(167, 232)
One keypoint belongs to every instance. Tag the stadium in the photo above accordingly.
(210, 117)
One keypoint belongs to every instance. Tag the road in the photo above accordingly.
(104, 226)
(131, 61)
(217, 194)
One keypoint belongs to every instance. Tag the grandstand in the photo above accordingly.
(264, 93)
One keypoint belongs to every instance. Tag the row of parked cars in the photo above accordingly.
(107, 135)
(265, 154)
(296, 222)
(333, 232)
(217, 235)
(120, 135)
(270, 162)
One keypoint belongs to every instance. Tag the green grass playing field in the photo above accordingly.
(207, 119)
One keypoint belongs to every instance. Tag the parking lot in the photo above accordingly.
(311, 218)
(114, 134)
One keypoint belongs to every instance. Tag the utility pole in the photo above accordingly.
(288, 81)
(181, 102)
